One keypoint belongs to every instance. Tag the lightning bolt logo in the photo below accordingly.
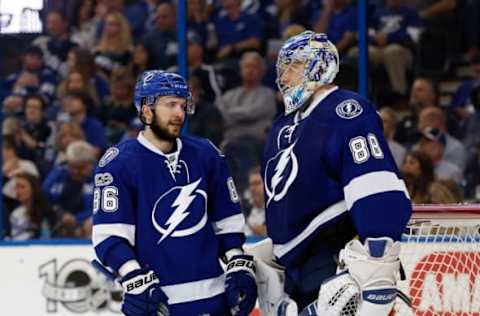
(286, 156)
(181, 204)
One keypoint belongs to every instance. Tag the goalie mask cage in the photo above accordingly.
(441, 258)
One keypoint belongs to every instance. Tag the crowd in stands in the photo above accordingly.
(72, 97)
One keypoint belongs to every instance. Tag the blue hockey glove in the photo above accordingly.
(240, 286)
(142, 294)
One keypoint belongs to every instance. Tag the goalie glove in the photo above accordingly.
(143, 295)
(240, 286)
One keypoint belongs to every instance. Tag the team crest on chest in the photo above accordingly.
(349, 109)
(280, 172)
(181, 211)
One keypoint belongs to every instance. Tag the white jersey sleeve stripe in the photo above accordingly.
(231, 224)
(326, 215)
(372, 183)
(103, 231)
(193, 291)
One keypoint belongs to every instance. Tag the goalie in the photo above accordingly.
(329, 176)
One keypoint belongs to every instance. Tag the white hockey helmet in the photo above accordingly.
(320, 59)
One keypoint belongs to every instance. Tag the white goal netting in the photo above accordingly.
(441, 258)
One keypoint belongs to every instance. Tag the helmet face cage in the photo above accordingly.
(157, 83)
(320, 61)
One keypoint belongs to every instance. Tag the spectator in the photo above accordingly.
(68, 132)
(141, 60)
(417, 169)
(462, 106)
(249, 109)
(207, 121)
(248, 112)
(13, 106)
(76, 82)
(12, 128)
(33, 209)
(56, 45)
(134, 128)
(338, 20)
(136, 13)
(82, 61)
(439, 39)
(210, 79)
(391, 45)
(197, 22)
(79, 108)
(433, 143)
(84, 25)
(237, 32)
(33, 78)
(161, 42)
(424, 93)
(434, 120)
(389, 118)
(13, 165)
(471, 125)
(445, 192)
(114, 51)
(117, 113)
(70, 190)
(35, 130)
(256, 218)
(290, 12)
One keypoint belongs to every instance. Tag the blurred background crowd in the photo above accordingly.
(67, 93)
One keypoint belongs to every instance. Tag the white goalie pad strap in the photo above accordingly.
(375, 264)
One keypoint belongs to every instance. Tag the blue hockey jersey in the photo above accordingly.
(178, 212)
(325, 163)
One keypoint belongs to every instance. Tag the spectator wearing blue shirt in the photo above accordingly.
(197, 19)
(161, 42)
(78, 108)
(236, 31)
(56, 45)
(461, 102)
(338, 19)
(34, 78)
(69, 189)
(391, 45)
(394, 44)
(464, 106)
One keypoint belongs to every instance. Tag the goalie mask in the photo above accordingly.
(158, 83)
(314, 59)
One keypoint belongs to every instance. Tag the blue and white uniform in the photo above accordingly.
(328, 164)
(175, 213)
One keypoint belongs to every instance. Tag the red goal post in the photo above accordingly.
(441, 258)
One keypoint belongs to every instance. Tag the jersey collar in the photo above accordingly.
(300, 115)
(147, 144)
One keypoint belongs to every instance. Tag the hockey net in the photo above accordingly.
(441, 259)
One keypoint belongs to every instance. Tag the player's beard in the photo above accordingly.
(162, 132)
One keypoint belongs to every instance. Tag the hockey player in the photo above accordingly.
(330, 176)
(165, 211)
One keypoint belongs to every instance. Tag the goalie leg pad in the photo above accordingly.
(270, 278)
(272, 298)
(375, 266)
